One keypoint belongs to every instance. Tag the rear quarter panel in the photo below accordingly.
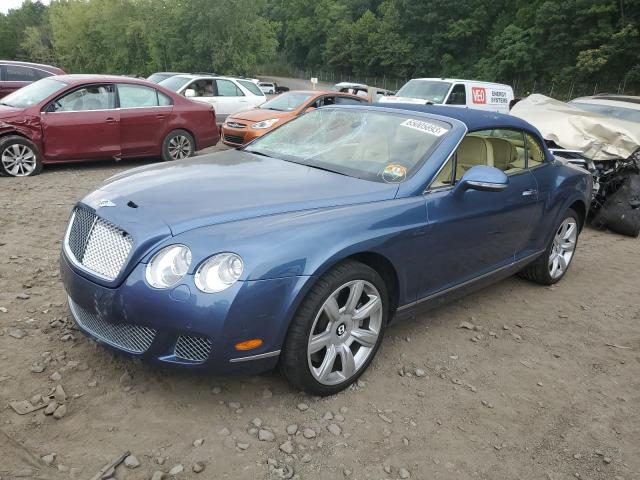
(559, 186)
(199, 120)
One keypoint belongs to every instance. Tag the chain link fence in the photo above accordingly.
(565, 90)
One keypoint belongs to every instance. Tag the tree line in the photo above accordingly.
(514, 41)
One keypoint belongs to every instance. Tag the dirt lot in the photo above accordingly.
(534, 393)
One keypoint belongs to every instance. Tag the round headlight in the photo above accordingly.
(168, 266)
(219, 272)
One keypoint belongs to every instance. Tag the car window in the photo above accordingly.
(203, 88)
(93, 97)
(444, 178)
(458, 95)
(164, 100)
(226, 88)
(17, 73)
(137, 96)
(430, 90)
(287, 102)
(252, 87)
(623, 113)
(174, 83)
(349, 101)
(500, 148)
(535, 153)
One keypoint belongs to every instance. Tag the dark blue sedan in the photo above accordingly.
(301, 248)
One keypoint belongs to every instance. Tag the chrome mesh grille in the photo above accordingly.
(131, 338)
(97, 244)
(194, 348)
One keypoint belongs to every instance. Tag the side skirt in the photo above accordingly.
(457, 291)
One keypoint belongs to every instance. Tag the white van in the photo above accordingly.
(493, 97)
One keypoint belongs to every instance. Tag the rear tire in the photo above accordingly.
(553, 264)
(177, 145)
(19, 157)
(337, 330)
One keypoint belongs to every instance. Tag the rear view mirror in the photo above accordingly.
(484, 179)
(189, 93)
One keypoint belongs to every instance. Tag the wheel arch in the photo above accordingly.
(378, 262)
(581, 209)
(188, 130)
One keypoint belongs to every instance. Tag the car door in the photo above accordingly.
(144, 113)
(472, 233)
(229, 99)
(82, 124)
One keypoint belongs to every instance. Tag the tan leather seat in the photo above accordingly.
(505, 154)
(472, 151)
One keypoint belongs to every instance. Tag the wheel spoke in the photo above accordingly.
(16, 150)
(348, 361)
(327, 363)
(368, 309)
(355, 292)
(562, 263)
(366, 338)
(331, 309)
(554, 266)
(319, 341)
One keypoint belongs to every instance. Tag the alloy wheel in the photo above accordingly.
(18, 160)
(179, 147)
(563, 248)
(345, 332)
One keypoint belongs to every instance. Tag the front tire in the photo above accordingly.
(551, 266)
(19, 157)
(177, 145)
(337, 330)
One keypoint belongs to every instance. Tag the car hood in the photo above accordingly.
(259, 114)
(229, 186)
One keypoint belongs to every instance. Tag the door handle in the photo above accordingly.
(160, 116)
(528, 193)
(111, 120)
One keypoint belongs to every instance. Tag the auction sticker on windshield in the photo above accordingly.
(425, 127)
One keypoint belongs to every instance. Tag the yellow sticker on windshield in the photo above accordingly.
(426, 127)
(394, 173)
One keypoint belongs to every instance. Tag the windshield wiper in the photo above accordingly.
(256, 152)
(6, 104)
(324, 168)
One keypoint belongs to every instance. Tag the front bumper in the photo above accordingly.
(182, 326)
(237, 137)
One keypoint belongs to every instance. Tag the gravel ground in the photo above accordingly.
(515, 381)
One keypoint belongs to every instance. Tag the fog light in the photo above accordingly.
(249, 344)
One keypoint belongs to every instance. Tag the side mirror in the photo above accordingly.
(189, 93)
(309, 109)
(484, 179)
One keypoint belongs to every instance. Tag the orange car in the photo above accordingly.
(242, 127)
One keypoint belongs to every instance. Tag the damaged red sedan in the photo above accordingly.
(71, 118)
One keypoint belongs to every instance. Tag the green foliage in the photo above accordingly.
(551, 42)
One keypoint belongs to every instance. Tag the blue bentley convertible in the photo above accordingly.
(299, 249)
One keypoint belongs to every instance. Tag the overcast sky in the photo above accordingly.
(5, 5)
